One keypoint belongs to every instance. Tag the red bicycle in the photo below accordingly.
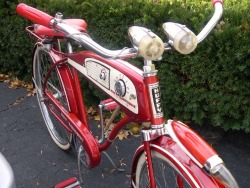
(171, 154)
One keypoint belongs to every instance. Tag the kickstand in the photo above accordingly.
(112, 162)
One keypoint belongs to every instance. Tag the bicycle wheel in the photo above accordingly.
(42, 62)
(168, 173)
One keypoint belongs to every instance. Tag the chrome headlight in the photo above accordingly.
(180, 37)
(149, 45)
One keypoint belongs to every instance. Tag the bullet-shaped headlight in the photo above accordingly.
(180, 37)
(149, 45)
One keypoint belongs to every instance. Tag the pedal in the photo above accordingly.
(109, 104)
(69, 183)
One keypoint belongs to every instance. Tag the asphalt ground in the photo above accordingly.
(38, 162)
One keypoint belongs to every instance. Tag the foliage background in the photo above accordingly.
(210, 85)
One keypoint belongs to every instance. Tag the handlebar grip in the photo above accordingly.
(217, 1)
(34, 15)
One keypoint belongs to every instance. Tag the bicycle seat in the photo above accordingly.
(78, 24)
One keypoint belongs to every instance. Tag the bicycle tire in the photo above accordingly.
(42, 61)
(172, 171)
(166, 173)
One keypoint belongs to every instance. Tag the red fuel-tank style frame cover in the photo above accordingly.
(137, 79)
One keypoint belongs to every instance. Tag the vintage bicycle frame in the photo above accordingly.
(140, 103)
(135, 91)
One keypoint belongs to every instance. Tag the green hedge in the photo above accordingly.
(211, 84)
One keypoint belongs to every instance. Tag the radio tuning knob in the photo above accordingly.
(120, 88)
(103, 75)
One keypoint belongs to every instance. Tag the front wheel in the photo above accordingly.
(172, 168)
(167, 174)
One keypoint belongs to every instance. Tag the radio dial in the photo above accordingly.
(103, 75)
(120, 88)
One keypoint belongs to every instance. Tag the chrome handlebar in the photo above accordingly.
(90, 44)
(150, 48)
(212, 23)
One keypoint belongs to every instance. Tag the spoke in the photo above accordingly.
(58, 94)
(164, 176)
(160, 166)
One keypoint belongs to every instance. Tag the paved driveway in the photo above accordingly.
(38, 162)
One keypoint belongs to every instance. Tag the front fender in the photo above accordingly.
(167, 147)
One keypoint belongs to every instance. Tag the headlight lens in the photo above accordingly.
(149, 45)
(180, 37)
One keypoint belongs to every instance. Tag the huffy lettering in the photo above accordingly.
(157, 99)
